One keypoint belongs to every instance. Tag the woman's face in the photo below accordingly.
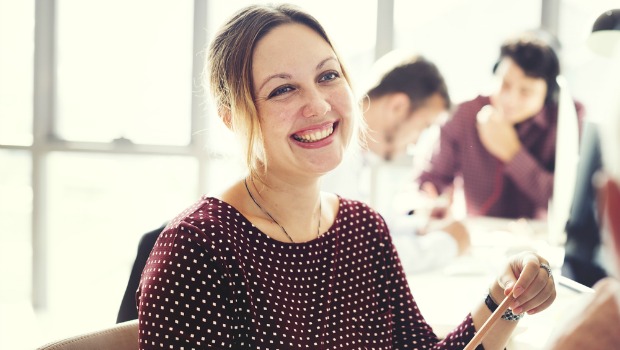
(304, 103)
(520, 97)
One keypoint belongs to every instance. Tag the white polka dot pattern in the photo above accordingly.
(213, 280)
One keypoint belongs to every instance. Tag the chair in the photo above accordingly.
(128, 310)
(121, 336)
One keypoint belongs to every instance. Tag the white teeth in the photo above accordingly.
(315, 136)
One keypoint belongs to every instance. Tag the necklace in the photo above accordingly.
(318, 233)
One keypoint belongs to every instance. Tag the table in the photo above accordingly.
(446, 295)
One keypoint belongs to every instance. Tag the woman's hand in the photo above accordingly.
(528, 278)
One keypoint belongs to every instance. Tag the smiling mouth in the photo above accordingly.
(315, 135)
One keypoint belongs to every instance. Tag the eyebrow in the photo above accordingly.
(288, 76)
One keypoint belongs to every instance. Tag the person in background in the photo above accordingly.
(594, 224)
(582, 256)
(595, 325)
(406, 94)
(274, 262)
(503, 145)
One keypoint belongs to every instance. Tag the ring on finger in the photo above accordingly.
(547, 268)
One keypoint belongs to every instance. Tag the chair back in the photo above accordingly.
(121, 336)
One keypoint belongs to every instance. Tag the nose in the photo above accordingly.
(509, 97)
(316, 104)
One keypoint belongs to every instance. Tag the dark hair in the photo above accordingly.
(534, 53)
(229, 69)
(415, 76)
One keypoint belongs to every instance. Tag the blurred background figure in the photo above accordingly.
(502, 145)
(405, 94)
(595, 325)
(583, 258)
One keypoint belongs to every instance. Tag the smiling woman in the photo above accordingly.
(273, 262)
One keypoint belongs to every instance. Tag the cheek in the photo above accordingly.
(342, 105)
(534, 103)
(342, 101)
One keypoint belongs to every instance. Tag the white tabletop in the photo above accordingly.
(446, 295)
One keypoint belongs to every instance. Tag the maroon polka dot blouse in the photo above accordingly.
(213, 280)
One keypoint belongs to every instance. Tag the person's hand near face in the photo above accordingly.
(497, 133)
(518, 98)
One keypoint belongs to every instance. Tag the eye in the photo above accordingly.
(281, 90)
(329, 76)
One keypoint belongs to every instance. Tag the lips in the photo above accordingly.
(315, 134)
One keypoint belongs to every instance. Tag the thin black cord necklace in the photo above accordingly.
(318, 232)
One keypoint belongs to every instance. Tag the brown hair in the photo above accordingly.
(413, 75)
(229, 70)
(534, 53)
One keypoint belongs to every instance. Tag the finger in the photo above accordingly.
(430, 189)
(527, 271)
(541, 280)
(485, 114)
(507, 281)
(544, 305)
(538, 301)
(496, 105)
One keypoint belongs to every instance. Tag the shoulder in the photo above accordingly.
(355, 206)
(465, 113)
(472, 107)
(580, 108)
(206, 210)
(360, 214)
(207, 223)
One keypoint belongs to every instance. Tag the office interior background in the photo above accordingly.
(106, 132)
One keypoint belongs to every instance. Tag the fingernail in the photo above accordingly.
(518, 291)
(517, 310)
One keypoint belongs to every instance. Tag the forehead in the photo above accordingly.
(509, 70)
(287, 48)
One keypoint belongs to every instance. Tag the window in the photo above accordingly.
(117, 79)
(15, 227)
(462, 37)
(588, 74)
(99, 205)
(16, 47)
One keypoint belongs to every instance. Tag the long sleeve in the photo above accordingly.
(445, 162)
(405, 312)
(530, 177)
(182, 299)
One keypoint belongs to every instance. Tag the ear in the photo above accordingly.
(226, 117)
(399, 103)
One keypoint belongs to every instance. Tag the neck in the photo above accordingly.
(294, 209)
